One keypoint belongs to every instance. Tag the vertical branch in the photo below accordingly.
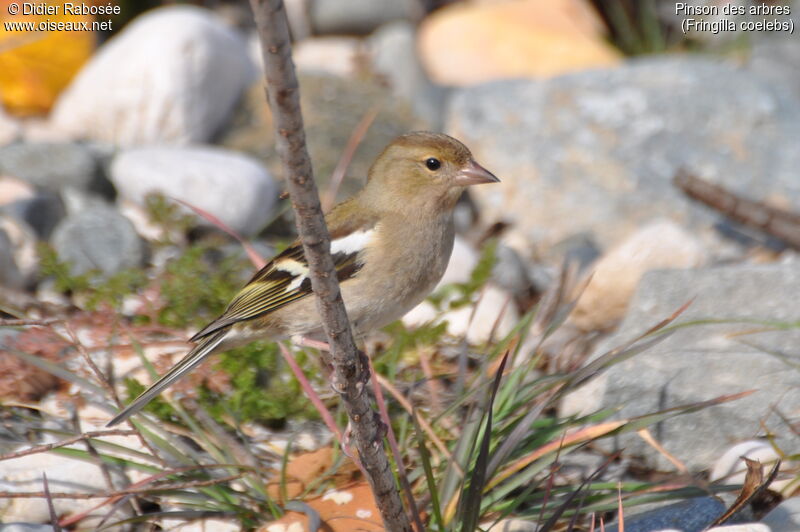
(284, 100)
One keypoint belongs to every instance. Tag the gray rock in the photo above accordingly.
(42, 212)
(18, 258)
(25, 527)
(596, 151)
(510, 525)
(692, 515)
(98, 238)
(777, 61)
(703, 361)
(511, 274)
(745, 527)
(10, 128)
(785, 517)
(358, 16)
(52, 166)
(64, 474)
(393, 54)
(580, 249)
(332, 108)
(10, 275)
(233, 187)
(172, 75)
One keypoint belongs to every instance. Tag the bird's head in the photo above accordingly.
(423, 166)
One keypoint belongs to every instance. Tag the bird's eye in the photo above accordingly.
(433, 163)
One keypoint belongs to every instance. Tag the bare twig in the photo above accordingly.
(29, 323)
(119, 493)
(257, 260)
(69, 441)
(781, 224)
(353, 142)
(349, 367)
(398, 458)
(50, 506)
(426, 426)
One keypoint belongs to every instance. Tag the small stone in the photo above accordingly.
(463, 260)
(13, 190)
(42, 212)
(10, 129)
(659, 245)
(511, 273)
(510, 525)
(50, 165)
(470, 43)
(332, 109)
(394, 57)
(580, 249)
(172, 75)
(233, 187)
(746, 527)
(19, 261)
(25, 527)
(358, 16)
(730, 468)
(692, 515)
(785, 517)
(98, 238)
(299, 20)
(10, 275)
(339, 56)
(493, 318)
(63, 475)
(201, 525)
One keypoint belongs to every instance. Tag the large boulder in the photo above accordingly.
(172, 75)
(233, 187)
(740, 334)
(596, 151)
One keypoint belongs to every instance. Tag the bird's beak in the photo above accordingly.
(474, 174)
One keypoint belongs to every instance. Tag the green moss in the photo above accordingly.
(264, 389)
(195, 289)
(168, 215)
(93, 287)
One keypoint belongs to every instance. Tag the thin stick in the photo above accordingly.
(779, 223)
(348, 364)
(422, 422)
(69, 441)
(398, 458)
(29, 323)
(347, 156)
(140, 491)
(312, 395)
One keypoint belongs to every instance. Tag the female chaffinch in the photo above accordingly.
(390, 244)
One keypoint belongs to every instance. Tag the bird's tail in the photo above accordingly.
(194, 357)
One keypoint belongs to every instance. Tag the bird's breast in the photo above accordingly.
(400, 268)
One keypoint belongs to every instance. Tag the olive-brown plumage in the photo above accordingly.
(390, 243)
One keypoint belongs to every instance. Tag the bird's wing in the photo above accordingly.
(283, 280)
(286, 277)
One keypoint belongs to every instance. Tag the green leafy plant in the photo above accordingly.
(93, 288)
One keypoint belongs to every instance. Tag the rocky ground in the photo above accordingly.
(585, 141)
